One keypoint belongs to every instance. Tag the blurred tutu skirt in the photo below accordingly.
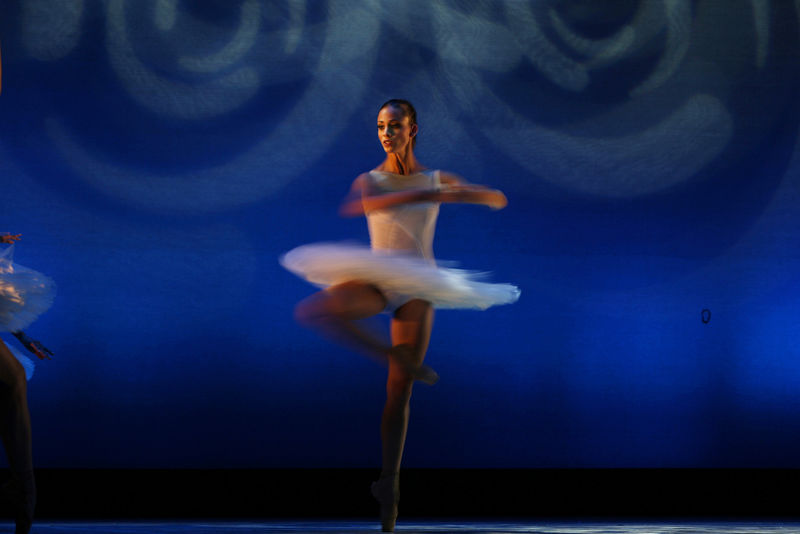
(24, 293)
(399, 277)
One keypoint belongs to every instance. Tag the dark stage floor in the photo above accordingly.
(422, 527)
(311, 494)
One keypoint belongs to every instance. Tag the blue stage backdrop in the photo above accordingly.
(159, 155)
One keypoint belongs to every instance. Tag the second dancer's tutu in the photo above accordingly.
(24, 293)
(398, 276)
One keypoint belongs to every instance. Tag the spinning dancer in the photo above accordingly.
(400, 199)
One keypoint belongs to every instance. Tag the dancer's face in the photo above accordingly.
(394, 131)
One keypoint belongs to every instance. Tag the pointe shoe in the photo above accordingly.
(21, 495)
(403, 354)
(386, 491)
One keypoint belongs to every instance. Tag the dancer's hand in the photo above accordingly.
(453, 188)
(10, 238)
(34, 346)
(472, 194)
(496, 200)
(41, 352)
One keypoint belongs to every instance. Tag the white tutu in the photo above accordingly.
(24, 293)
(396, 275)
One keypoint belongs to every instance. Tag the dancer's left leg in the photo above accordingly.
(411, 328)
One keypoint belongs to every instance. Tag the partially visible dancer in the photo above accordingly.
(400, 199)
(24, 295)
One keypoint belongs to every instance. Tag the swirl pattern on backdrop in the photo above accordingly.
(175, 62)
(222, 82)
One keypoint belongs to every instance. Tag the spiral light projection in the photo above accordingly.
(234, 51)
(50, 29)
(678, 18)
(166, 11)
(466, 46)
(645, 162)
(563, 71)
(602, 51)
(761, 23)
(454, 29)
(344, 60)
(650, 19)
(294, 34)
(167, 97)
(655, 157)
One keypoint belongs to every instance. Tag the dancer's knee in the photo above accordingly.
(398, 387)
(313, 309)
(347, 301)
(305, 313)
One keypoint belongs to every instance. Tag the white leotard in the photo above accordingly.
(408, 228)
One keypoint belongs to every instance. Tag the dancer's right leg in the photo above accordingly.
(334, 311)
(411, 328)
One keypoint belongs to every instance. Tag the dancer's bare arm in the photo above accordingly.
(10, 238)
(33, 345)
(456, 190)
(453, 189)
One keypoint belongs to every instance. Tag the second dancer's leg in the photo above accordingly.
(15, 432)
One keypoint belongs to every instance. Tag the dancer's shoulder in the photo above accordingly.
(361, 182)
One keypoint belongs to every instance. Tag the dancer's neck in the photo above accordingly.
(402, 164)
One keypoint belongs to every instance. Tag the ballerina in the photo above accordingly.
(24, 295)
(400, 199)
